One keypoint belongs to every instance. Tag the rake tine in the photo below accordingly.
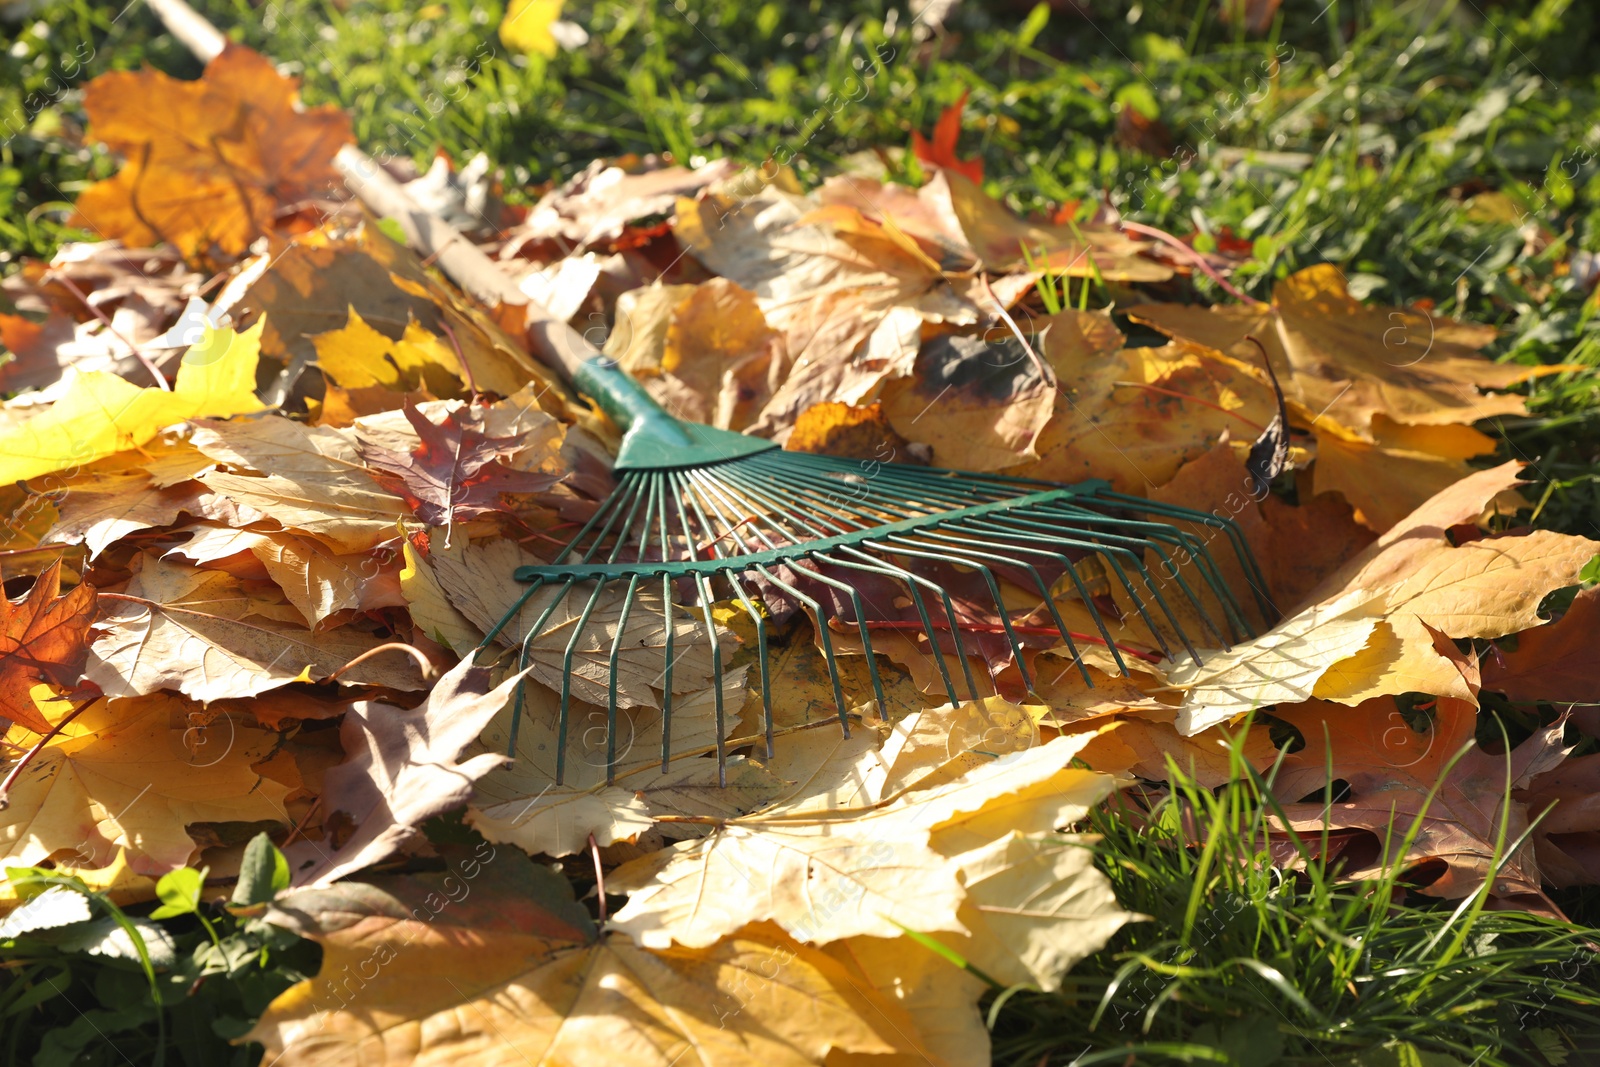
(763, 493)
(1116, 544)
(970, 559)
(860, 516)
(762, 659)
(877, 566)
(1253, 576)
(1025, 521)
(1157, 532)
(525, 658)
(628, 492)
(705, 483)
(1038, 579)
(611, 688)
(1004, 524)
(827, 642)
(716, 678)
(861, 625)
(949, 612)
(566, 681)
(668, 623)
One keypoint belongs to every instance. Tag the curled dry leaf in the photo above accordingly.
(401, 768)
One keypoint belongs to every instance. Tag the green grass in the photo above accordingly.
(1245, 963)
(1435, 151)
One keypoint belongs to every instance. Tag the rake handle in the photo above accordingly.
(557, 345)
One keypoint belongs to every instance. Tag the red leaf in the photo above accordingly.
(941, 151)
(43, 637)
(455, 473)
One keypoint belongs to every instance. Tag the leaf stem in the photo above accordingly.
(27, 757)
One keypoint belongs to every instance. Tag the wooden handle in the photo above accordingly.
(557, 345)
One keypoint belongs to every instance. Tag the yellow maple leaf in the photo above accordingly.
(132, 774)
(102, 414)
(526, 27)
(356, 356)
(497, 960)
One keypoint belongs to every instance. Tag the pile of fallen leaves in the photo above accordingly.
(267, 477)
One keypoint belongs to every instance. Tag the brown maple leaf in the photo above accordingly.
(1559, 661)
(1391, 770)
(208, 162)
(455, 473)
(43, 637)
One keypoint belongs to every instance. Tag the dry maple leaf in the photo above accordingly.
(43, 637)
(1558, 661)
(941, 1001)
(318, 582)
(135, 490)
(613, 784)
(1372, 630)
(356, 356)
(1567, 839)
(311, 480)
(984, 401)
(455, 473)
(101, 414)
(401, 769)
(1283, 665)
(208, 162)
(847, 296)
(1133, 416)
(848, 872)
(204, 634)
(1348, 362)
(1130, 744)
(599, 206)
(457, 979)
(1391, 775)
(119, 882)
(126, 774)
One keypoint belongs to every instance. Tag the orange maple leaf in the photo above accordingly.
(208, 162)
(941, 151)
(1392, 770)
(43, 637)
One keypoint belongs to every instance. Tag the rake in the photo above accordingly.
(710, 516)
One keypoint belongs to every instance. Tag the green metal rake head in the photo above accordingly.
(706, 515)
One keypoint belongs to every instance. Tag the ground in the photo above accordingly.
(1439, 154)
